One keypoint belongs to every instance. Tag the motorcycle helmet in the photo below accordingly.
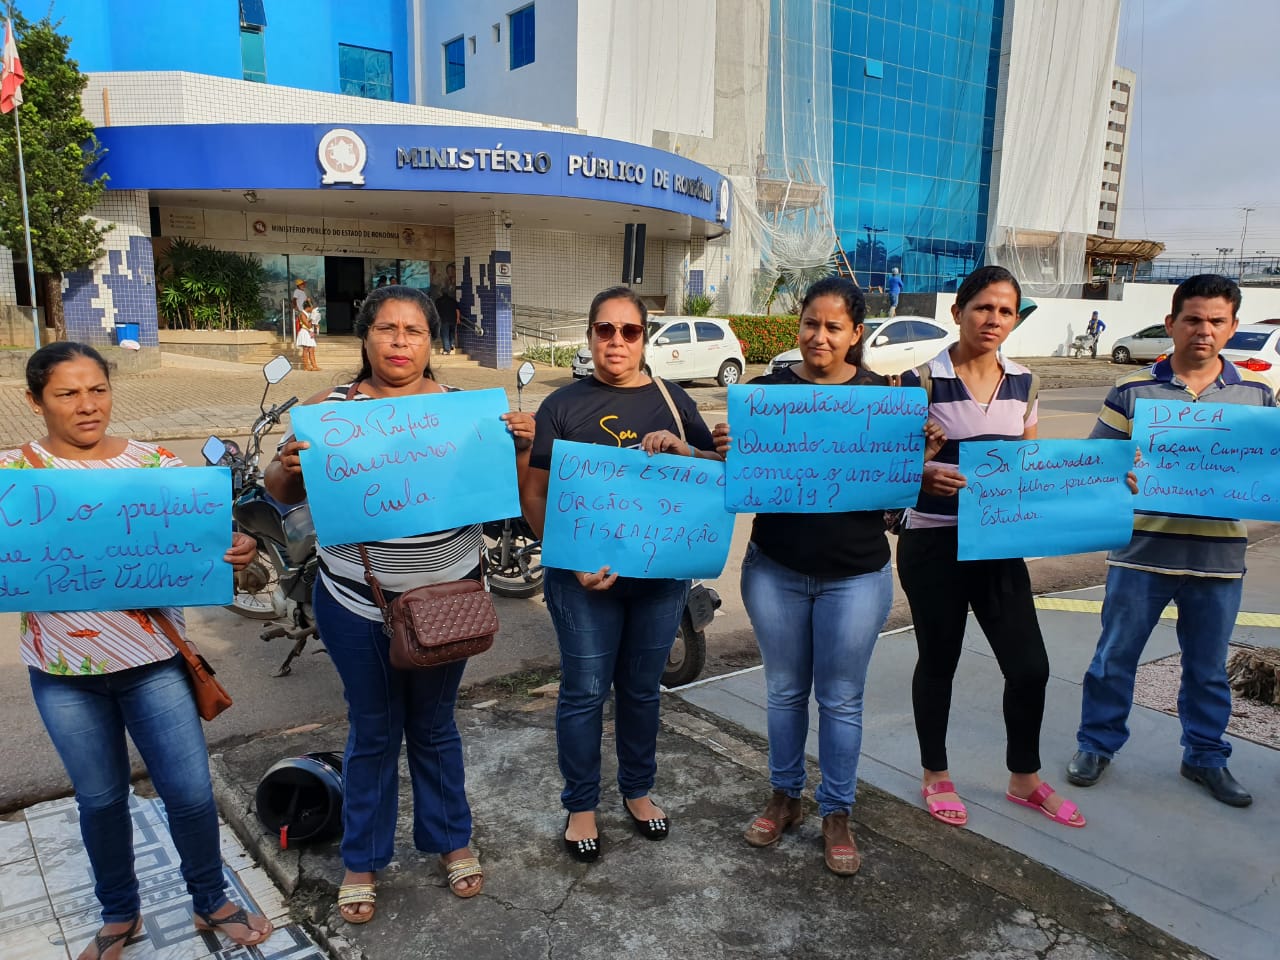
(300, 798)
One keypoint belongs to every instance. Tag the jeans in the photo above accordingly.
(815, 633)
(941, 590)
(1207, 608)
(87, 718)
(620, 636)
(448, 325)
(384, 707)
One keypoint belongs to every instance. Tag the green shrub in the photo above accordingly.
(206, 289)
(698, 304)
(563, 356)
(764, 337)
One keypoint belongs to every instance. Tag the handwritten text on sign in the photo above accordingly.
(824, 449)
(1208, 460)
(1044, 497)
(401, 466)
(642, 516)
(114, 539)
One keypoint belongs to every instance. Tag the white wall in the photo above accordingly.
(544, 90)
(1057, 321)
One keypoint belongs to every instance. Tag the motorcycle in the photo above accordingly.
(279, 581)
(688, 655)
(513, 553)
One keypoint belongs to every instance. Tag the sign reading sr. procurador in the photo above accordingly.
(823, 449)
(392, 467)
(640, 515)
(1044, 497)
(114, 539)
(1208, 460)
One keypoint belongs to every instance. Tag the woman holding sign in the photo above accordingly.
(612, 631)
(818, 588)
(96, 674)
(386, 706)
(975, 393)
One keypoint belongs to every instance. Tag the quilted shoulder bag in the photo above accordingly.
(436, 624)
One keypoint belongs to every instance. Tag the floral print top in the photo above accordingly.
(83, 643)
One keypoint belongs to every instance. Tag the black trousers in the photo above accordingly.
(941, 590)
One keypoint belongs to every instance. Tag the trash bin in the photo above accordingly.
(127, 331)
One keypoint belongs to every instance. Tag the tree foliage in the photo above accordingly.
(58, 147)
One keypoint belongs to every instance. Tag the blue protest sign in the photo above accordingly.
(1208, 460)
(1044, 497)
(401, 466)
(824, 449)
(642, 516)
(114, 539)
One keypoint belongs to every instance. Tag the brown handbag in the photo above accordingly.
(210, 696)
(436, 624)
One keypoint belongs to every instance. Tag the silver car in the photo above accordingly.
(1143, 346)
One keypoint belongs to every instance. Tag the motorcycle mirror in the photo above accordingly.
(277, 369)
(524, 375)
(213, 450)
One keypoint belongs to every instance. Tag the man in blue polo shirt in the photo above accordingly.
(1195, 562)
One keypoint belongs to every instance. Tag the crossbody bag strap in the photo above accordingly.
(32, 457)
(378, 597)
(180, 643)
(353, 389)
(671, 405)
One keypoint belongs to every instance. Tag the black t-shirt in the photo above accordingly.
(590, 411)
(823, 544)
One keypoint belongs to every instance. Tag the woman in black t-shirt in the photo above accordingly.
(611, 630)
(818, 588)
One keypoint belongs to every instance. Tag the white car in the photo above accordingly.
(892, 346)
(1143, 346)
(684, 348)
(1256, 347)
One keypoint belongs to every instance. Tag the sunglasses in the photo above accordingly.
(631, 332)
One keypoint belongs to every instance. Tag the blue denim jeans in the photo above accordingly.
(87, 718)
(815, 634)
(620, 636)
(386, 707)
(1207, 608)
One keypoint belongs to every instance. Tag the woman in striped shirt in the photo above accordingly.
(96, 674)
(974, 394)
(386, 706)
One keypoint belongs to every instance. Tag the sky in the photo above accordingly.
(1206, 132)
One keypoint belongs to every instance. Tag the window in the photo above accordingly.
(676, 333)
(252, 14)
(926, 331)
(363, 72)
(708, 331)
(894, 333)
(455, 66)
(253, 54)
(520, 33)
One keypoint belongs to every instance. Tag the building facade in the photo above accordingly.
(1119, 112)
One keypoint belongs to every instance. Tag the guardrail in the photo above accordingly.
(557, 329)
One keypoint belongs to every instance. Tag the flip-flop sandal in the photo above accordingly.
(460, 869)
(1039, 795)
(352, 894)
(939, 807)
(102, 942)
(237, 917)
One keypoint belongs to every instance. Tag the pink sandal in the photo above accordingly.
(1039, 795)
(936, 810)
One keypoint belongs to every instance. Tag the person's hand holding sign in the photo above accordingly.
(942, 480)
(664, 441)
(520, 426)
(602, 579)
(242, 551)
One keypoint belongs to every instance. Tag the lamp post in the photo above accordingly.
(871, 247)
(1223, 252)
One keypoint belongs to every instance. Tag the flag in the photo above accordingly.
(11, 77)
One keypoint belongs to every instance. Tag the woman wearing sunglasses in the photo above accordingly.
(611, 630)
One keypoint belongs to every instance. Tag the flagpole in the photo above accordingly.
(26, 226)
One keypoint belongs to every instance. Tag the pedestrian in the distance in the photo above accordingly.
(308, 324)
(1197, 563)
(974, 392)
(895, 291)
(1094, 330)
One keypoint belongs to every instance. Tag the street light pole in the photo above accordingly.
(1244, 233)
(871, 247)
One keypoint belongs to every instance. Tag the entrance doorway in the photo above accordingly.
(344, 284)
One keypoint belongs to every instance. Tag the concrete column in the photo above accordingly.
(121, 286)
(482, 251)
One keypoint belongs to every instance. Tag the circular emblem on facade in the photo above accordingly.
(342, 155)
(722, 202)
(259, 226)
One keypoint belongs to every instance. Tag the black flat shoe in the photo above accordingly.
(1219, 781)
(1085, 768)
(655, 828)
(584, 851)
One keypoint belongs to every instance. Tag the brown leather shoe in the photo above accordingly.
(841, 852)
(780, 815)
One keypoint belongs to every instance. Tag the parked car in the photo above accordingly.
(1142, 347)
(892, 346)
(684, 348)
(1256, 347)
